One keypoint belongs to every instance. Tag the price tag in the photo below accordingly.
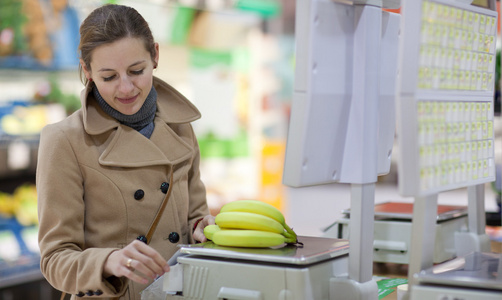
(30, 237)
(18, 155)
(9, 248)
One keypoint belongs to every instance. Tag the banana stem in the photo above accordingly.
(287, 234)
(290, 240)
(291, 237)
(289, 230)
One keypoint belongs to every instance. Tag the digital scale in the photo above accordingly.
(447, 63)
(286, 272)
(393, 222)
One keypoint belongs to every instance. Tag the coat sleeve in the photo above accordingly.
(197, 192)
(65, 261)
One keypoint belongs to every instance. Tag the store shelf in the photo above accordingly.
(20, 275)
(25, 270)
(28, 286)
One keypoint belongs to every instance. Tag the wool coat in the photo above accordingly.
(100, 184)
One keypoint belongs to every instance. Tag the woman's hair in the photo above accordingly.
(110, 23)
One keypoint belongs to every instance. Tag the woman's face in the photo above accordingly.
(123, 73)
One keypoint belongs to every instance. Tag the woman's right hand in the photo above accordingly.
(137, 261)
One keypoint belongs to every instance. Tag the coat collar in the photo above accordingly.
(127, 147)
(172, 108)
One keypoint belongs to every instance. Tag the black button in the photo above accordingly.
(139, 194)
(80, 294)
(90, 293)
(174, 237)
(164, 187)
(142, 238)
(98, 293)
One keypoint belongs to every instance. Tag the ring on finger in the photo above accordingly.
(128, 264)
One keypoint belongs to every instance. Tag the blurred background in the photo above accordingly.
(234, 59)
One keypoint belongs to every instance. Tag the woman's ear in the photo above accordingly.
(156, 57)
(86, 70)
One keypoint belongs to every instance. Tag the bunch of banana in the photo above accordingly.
(250, 223)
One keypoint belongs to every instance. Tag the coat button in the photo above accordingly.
(80, 294)
(174, 237)
(98, 293)
(142, 238)
(164, 187)
(90, 293)
(139, 194)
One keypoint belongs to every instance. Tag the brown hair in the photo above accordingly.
(110, 23)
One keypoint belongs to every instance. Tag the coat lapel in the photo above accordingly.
(129, 148)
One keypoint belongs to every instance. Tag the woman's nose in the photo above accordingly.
(126, 85)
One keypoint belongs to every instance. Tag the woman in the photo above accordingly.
(105, 173)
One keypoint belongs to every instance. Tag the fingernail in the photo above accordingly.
(166, 268)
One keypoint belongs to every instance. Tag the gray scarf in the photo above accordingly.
(142, 120)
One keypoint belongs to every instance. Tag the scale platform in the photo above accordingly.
(314, 250)
(288, 272)
(393, 225)
(476, 276)
(404, 211)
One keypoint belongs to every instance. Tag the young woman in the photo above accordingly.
(118, 181)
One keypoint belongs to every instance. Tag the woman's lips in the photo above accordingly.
(127, 100)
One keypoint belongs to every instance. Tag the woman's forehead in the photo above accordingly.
(122, 53)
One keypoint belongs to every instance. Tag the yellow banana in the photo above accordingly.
(254, 206)
(246, 220)
(258, 207)
(209, 230)
(249, 238)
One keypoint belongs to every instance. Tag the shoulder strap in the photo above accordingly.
(162, 207)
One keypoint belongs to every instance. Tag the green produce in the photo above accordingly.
(250, 224)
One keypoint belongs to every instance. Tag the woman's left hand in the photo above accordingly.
(198, 233)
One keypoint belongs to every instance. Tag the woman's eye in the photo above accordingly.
(108, 78)
(138, 72)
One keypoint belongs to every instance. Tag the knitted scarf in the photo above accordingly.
(142, 120)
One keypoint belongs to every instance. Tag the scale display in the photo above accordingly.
(445, 99)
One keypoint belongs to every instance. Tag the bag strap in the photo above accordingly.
(162, 207)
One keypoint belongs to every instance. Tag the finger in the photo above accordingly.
(155, 265)
(149, 252)
(155, 260)
(141, 266)
(129, 271)
(148, 262)
(208, 220)
(147, 266)
(198, 235)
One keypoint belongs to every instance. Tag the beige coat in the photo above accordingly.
(89, 173)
